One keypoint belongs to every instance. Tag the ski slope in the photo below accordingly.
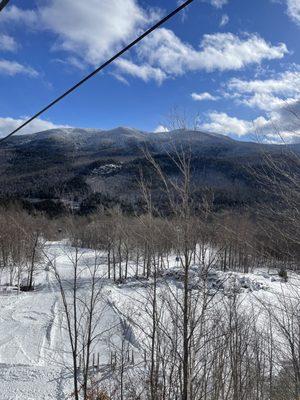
(29, 337)
(34, 346)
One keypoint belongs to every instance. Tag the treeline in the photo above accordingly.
(22, 238)
(239, 242)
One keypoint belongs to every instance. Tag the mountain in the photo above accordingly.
(92, 165)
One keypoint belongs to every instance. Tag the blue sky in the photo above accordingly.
(232, 67)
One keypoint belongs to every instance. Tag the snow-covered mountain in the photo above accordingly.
(70, 162)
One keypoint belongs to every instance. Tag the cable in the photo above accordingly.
(119, 54)
(3, 4)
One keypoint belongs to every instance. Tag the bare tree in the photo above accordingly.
(83, 307)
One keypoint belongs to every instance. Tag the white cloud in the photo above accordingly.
(220, 122)
(8, 125)
(144, 71)
(219, 51)
(293, 10)
(161, 128)
(286, 83)
(97, 27)
(218, 3)
(14, 14)
(92, 29)
(266, 102)
(204, 96)
(283, 125)
(120, 78)
(7, 43)
(269, 94)
(279, 99)
(224, 20)
(284, 122)
(12, 68)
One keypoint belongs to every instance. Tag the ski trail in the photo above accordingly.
(126, 327)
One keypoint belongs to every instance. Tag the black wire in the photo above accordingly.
(120, 53)
(3, 4)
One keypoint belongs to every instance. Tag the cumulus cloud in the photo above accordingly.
(168, 56)
(7, 43)
(266, 102)
(204, 96)
(293, 10)
(8, 125)
(220, 122)
(161, 128)
(12, 68)
(14, 14)
(279, 100)
(93, 29)
(219, 51)
(285, 83)
(284, 125)
(278, 97)
(269, 94)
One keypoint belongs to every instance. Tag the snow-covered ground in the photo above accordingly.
(28, 333)
(34, 346)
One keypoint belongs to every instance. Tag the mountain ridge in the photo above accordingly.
(81, 163)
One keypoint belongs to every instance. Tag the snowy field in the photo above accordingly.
(34, 346)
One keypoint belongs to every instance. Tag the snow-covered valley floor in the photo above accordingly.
(34, 346)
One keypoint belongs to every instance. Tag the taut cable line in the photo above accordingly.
(3, 4)
(97, 70)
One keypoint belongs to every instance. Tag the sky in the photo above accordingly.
(227, 66)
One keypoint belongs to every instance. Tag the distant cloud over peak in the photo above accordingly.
(161, 128)
(8, 124)
(278, 97)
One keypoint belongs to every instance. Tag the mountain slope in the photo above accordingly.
(84, 163)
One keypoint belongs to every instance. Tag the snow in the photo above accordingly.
(30, 382)
(34, 349)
